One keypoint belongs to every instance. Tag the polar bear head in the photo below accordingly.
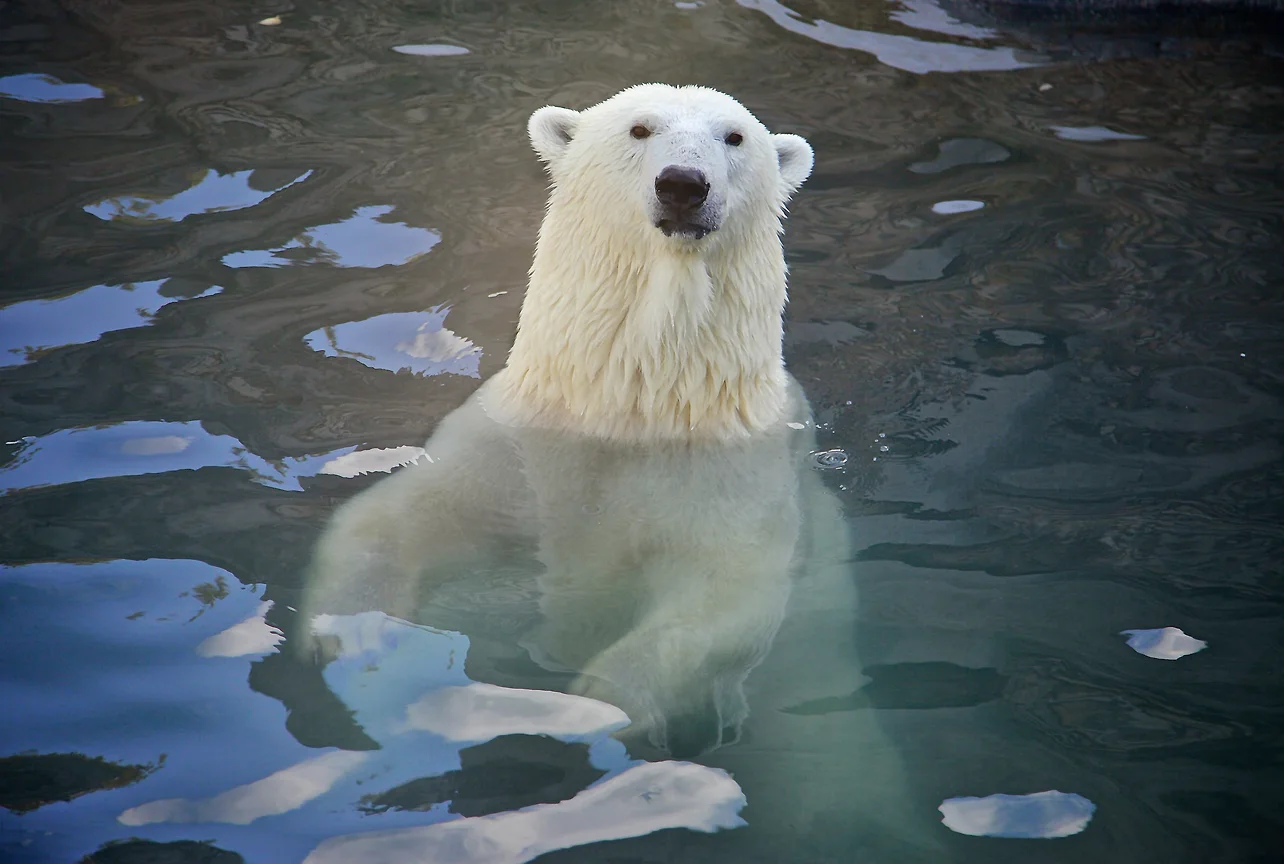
(689, 164)
(656, 292)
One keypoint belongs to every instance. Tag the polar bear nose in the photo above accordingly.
(681, 188)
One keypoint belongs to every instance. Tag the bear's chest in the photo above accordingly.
(612, 508)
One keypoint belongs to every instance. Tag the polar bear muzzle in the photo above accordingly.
(680, 194)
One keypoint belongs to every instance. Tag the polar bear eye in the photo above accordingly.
(639, 131)
(734, 139)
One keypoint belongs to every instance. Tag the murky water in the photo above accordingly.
(252, 254)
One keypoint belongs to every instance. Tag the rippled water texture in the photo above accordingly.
(252, 253)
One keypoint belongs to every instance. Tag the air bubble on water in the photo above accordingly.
(884, 449)
(882, 434)
(829, 459)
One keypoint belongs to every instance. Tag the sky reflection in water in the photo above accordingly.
(900, 52)
(361, 240)
(213, 193)
(33, 87)
(33, 326)
(1044, 815)
(415, 341)
(143, 447)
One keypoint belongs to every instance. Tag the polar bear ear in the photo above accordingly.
(551, 129)
(795, 158)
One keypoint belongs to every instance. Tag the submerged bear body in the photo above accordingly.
(637, 476)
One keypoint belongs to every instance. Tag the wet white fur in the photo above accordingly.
(626, 333)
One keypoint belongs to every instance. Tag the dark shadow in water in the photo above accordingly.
(935, 684)
(1000, 558)
(30, 781)
(315, 716)
(152, 852)
(505, 773)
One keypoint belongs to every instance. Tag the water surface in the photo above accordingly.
(252, 255)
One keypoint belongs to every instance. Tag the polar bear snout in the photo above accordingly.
(681, 194)
(681, 189)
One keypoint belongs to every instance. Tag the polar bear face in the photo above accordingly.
(685, 163)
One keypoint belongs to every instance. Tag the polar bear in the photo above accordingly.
(639, 470)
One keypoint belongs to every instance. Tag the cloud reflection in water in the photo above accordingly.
(1040, 815)
(250, 636)
(143, 447)
(899, 52)
(1166, 643)
(415, 341)
(650, 797)
(280, 792)
(213, 193)
(479, 712)
(361, 240)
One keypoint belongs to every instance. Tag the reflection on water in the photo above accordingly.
(430, 50)
(1166, 643)
(949, 208)
(962, 151)
(280, 792)
(903, 52)
(251, 636)
(142, 447)
(417, 341)
(361, 240)
(1034, 306)
(928, 15)
(480, 712)
(380, 460)
(651, 797)
(211, 193)
(33, 87)
(1093, 133)
(30, 781)
(27, 329)
(1039, 815)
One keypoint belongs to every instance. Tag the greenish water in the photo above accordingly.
(247, 267)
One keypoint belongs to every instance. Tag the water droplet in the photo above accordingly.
(884, 449)
(829, 459)
(882, 434)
